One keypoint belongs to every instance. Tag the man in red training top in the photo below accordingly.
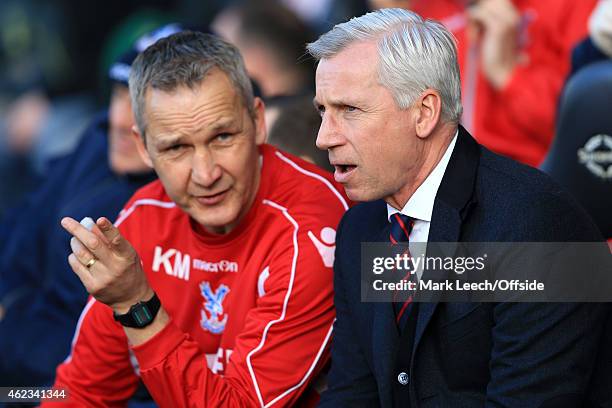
(236, 240)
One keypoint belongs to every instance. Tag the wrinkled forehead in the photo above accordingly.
(353, 69)
(212, 102)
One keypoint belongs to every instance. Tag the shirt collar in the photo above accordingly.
(420, 205)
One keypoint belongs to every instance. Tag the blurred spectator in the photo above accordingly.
(36, 131)
(271, 39)
(322, 15)
(40, 297)
(17, 129)
(48, 73)
(600, 27)
(514, 57)
(598, 45)
(294, 127)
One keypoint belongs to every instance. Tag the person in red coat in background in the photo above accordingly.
(514, 56)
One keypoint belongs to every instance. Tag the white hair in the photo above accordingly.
(414, 54)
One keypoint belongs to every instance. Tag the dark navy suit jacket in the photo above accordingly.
(468, 354)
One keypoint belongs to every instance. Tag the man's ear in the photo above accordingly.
(259, 112)
(428, 111)
(140, 145)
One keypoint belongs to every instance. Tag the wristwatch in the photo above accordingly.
(141, 314)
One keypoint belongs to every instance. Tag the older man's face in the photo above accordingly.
(203, 145)
(371, 142)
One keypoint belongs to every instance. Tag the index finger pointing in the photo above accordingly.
(79, 231)
(94, 240)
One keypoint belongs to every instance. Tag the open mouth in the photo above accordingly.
(343, 172)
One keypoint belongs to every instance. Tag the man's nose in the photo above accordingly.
(329, 133)
(204, 169)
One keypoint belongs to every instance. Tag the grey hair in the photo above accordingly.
(414, 54)
(184, 59)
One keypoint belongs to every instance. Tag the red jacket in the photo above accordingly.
(252, 311)
(517, 121)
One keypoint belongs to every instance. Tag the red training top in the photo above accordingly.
(255, 306)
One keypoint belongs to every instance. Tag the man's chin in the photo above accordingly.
(359, 195)
(214, 228)
(215, 221)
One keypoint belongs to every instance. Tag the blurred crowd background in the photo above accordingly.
(55, 55)
(537, 87)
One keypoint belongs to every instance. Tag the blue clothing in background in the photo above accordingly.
(585, 53)
(41, 294)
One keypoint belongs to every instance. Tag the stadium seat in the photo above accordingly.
(580, 158)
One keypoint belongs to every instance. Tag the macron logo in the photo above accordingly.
(326, 245)
(221, 266)
(179, 268)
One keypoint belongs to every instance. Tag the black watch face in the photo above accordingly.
(141, 315)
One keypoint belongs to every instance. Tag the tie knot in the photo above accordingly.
(401, 226)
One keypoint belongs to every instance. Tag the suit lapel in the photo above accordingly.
(446, 229)
(454, 198)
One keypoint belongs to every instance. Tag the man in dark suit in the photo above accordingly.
(388, 91)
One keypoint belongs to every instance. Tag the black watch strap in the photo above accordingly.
(141, 314)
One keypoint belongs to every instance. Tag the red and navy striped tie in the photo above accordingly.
(401, 227)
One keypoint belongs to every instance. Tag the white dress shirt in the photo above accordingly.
(420, 205)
